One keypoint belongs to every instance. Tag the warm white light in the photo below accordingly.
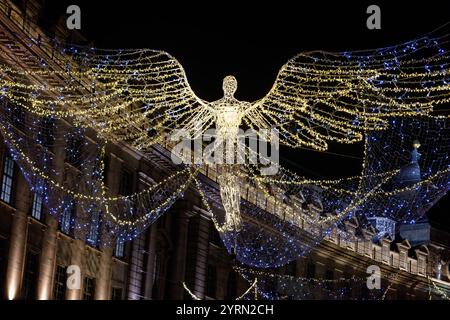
(12, 290)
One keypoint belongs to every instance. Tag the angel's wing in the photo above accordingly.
(320, 97)
(128, 95)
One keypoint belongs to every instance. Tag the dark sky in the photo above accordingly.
(252, 40)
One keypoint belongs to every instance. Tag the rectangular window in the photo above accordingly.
(311, 271)
(97, 172)
(59, 290)
(126, 183)
(403, 260)
(116, 294)
(89, 288)
(211, 279)
(30, 276)
(37, 207)
(291, 268)
(17, 116)
(94, 228)
(214, 236)
(67, 218)
(119, 251)
(7, 179)
(105, 170)
(329, 276)
(46, 136)
(421, 265)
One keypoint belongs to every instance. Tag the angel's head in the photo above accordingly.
(229, 86)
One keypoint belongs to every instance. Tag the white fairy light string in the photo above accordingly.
(140, 96)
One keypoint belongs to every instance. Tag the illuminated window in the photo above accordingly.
(94, 228)
(7, 179)
(66, 222)
(119, 251)
(37, 207)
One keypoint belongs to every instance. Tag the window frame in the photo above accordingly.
(8, 178)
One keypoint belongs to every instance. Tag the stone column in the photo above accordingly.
(202, 256)
(103, 281)
(48, 260)
(77, 255)
(18, 240)
(50, 237)
(178, 260)
(16, 257)
(151, 245)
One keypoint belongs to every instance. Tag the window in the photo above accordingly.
(46, 136)
(214, 236)
(231, 286)
(17, 116)
(211, 281)
(311, 270)
(105, 170)
(94, 228)
(348, 285)
(403, 259)
(119, 251)
(291, 268)
(421, 265)
(89, 288)
(66, 222)
(126, 183)
(37, 207)
(59, 290)
(74, 146)
(116, 294)
(30, 276)
(329, 275)
(7, 179)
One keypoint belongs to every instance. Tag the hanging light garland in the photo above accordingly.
(140, 96)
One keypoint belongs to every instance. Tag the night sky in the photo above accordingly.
(251, 42)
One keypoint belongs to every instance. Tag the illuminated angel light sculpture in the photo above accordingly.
(139, 96)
